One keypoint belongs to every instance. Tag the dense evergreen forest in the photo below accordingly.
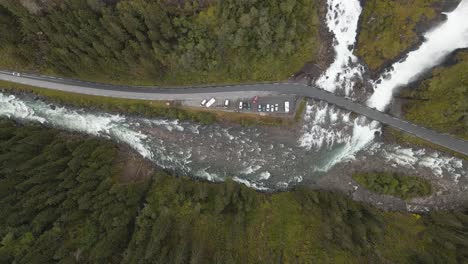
(160, 42)
(62, 200)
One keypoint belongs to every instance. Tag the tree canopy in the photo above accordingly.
(63, 202)
(161, 41)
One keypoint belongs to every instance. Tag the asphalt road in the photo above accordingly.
(235, 91)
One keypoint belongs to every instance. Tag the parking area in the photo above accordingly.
(264, 105)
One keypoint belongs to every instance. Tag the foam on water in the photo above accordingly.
(439, 164)
(95, 124)
(14, 108)
(321, 127)
(251, 184)
(362, 137)
(439, 43)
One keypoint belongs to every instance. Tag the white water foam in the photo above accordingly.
(439, 164)
(439, 43)
(250, 184)
(342, 21)
(95, 124)
(14, 108)
(322, 129)
(362, 137)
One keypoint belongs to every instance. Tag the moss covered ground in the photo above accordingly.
(387, 28)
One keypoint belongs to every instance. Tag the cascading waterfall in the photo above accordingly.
(438, 44)
(265, 158)
(342, 20)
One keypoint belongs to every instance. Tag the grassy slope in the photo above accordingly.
(387, 28)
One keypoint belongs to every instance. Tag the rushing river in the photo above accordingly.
(264, 157)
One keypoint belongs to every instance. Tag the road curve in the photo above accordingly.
(244, 90)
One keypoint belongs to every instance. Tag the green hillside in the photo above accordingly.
(63, 200)
(160, 42)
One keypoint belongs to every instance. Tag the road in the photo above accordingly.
(237, 91)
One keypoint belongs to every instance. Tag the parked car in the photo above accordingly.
(255, 100)
(203, 103)
(241, 105)
(210, 102)
(286, 106)
(263, 108)
(276, 107)
(268, 107)
(259, 108)
(226, 103)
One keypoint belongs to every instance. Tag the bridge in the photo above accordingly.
(243, 90)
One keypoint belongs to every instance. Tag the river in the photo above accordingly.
(268, 158)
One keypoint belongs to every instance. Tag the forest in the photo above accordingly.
(63, 201)
(159, 42)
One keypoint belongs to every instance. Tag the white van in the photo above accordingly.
(210, 102)
(286, 106)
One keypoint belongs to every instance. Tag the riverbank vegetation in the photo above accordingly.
(388, 28)
(62, 201)
(405, 187)
(160, 42)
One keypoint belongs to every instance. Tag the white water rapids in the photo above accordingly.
(342, 20)
(271, 158)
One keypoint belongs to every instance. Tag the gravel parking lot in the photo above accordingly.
(260, 104)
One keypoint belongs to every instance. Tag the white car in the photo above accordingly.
(226, 103)
(203, 102)
(17, 74)
(240, 105)
(286, 106)
(276, 107)
(268, 108)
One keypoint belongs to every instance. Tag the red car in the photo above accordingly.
(255, 100)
